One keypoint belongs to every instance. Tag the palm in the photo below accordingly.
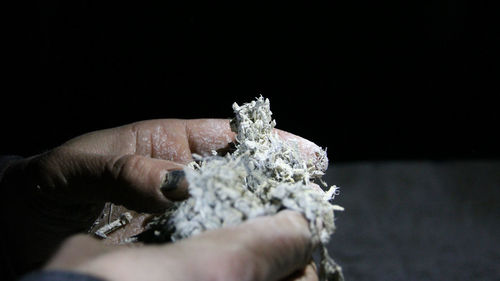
(169, 140)
(67, 186)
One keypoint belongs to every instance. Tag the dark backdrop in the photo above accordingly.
(367, 79)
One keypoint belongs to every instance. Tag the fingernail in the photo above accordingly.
(173, 180)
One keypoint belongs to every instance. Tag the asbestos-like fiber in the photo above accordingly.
(264, 175)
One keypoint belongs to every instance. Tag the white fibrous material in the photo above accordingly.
(262, 176)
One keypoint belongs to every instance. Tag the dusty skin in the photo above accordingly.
(125, 165)
(263, 174)
(260, 176)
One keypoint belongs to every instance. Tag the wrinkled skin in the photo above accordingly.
(61, 192)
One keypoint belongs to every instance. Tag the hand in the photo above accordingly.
(265, 248)
(61, 192)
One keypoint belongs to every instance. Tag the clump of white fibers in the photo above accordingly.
(264, 175)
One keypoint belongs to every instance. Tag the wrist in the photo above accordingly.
(12, 184)
(35, 219)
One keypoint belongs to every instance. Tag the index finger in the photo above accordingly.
(280, 244)
(207, 135)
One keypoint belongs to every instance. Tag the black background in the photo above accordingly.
(370, 80)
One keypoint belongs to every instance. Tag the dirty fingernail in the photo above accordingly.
(175, 184)
(172, 180)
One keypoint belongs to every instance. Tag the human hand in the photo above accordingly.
(61, 192)
(265, 248)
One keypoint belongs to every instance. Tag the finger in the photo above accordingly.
(207, 135)
(145, 184)
(175, 185)
(131, 180)
(265, 248)
(176, 139)
(75, 250)
(161, 138)
(309, 150)
(309, 273)
(280, 244)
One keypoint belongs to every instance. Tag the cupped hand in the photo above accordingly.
(61, 192)
(127, 165)
(262, 249)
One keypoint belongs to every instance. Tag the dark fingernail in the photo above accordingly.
(172, 180)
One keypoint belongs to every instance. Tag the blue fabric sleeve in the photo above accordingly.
(58, 275)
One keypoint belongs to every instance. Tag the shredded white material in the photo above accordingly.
(261, 177)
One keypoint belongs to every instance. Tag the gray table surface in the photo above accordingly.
(420, 220)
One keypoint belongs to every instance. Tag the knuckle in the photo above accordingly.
(126, 166)
(46, 170)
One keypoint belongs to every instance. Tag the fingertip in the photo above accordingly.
(174, 185)
(138, 182)
(308, 149)
(283, 243)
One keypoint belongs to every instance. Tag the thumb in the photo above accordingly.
(281, 243)
(130, 180)
(145, 184)
(263, 248)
